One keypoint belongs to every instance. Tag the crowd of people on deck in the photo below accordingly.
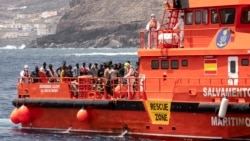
(106, 75)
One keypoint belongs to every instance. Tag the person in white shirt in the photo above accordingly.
(152, 27)
(180, 26)
(76, 70)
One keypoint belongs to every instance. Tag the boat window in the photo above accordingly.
(244, 62)
(227, 15)
(174, 64)
(232, 66)
(189, 17)
(164, 64)
(205, 16)
(155, 64)
(184, 63)
(214, 17)
(197, 17)
(245, 16)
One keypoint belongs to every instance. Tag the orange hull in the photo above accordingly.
(115, 117)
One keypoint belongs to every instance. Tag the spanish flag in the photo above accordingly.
(210, 66)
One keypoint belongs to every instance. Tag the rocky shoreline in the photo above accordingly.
(101, 23)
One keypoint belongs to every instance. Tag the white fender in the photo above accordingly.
(223, 107)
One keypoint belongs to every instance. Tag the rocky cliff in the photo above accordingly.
(102, 23)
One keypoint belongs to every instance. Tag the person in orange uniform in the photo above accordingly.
(152, 27)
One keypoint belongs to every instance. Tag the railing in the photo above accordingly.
(225, 81)
(171, 38)
(83, 87)
(88, 87)
(159, 39)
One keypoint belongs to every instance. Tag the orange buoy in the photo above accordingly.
(23, 114)
(14, 116)
(82, 115)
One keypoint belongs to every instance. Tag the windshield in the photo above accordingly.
(245, 16)
(227, 15)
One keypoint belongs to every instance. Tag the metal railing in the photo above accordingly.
(123, 88)
(171, 38)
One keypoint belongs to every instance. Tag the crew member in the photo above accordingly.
(180, 26)
(24, 74)
(152, 27)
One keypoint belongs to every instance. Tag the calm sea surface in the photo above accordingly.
(12, 60)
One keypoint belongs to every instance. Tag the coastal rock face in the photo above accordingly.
(102, 23)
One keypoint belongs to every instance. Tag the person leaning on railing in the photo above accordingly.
(24, 74)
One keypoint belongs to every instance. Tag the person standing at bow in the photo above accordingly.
(152, 28)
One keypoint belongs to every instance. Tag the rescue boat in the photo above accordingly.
(197, 91)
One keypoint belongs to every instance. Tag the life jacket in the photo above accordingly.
(153, 24)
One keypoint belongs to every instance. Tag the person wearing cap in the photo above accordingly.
(180, 26)
(130, 79)
(152, 27)
(24, 74)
